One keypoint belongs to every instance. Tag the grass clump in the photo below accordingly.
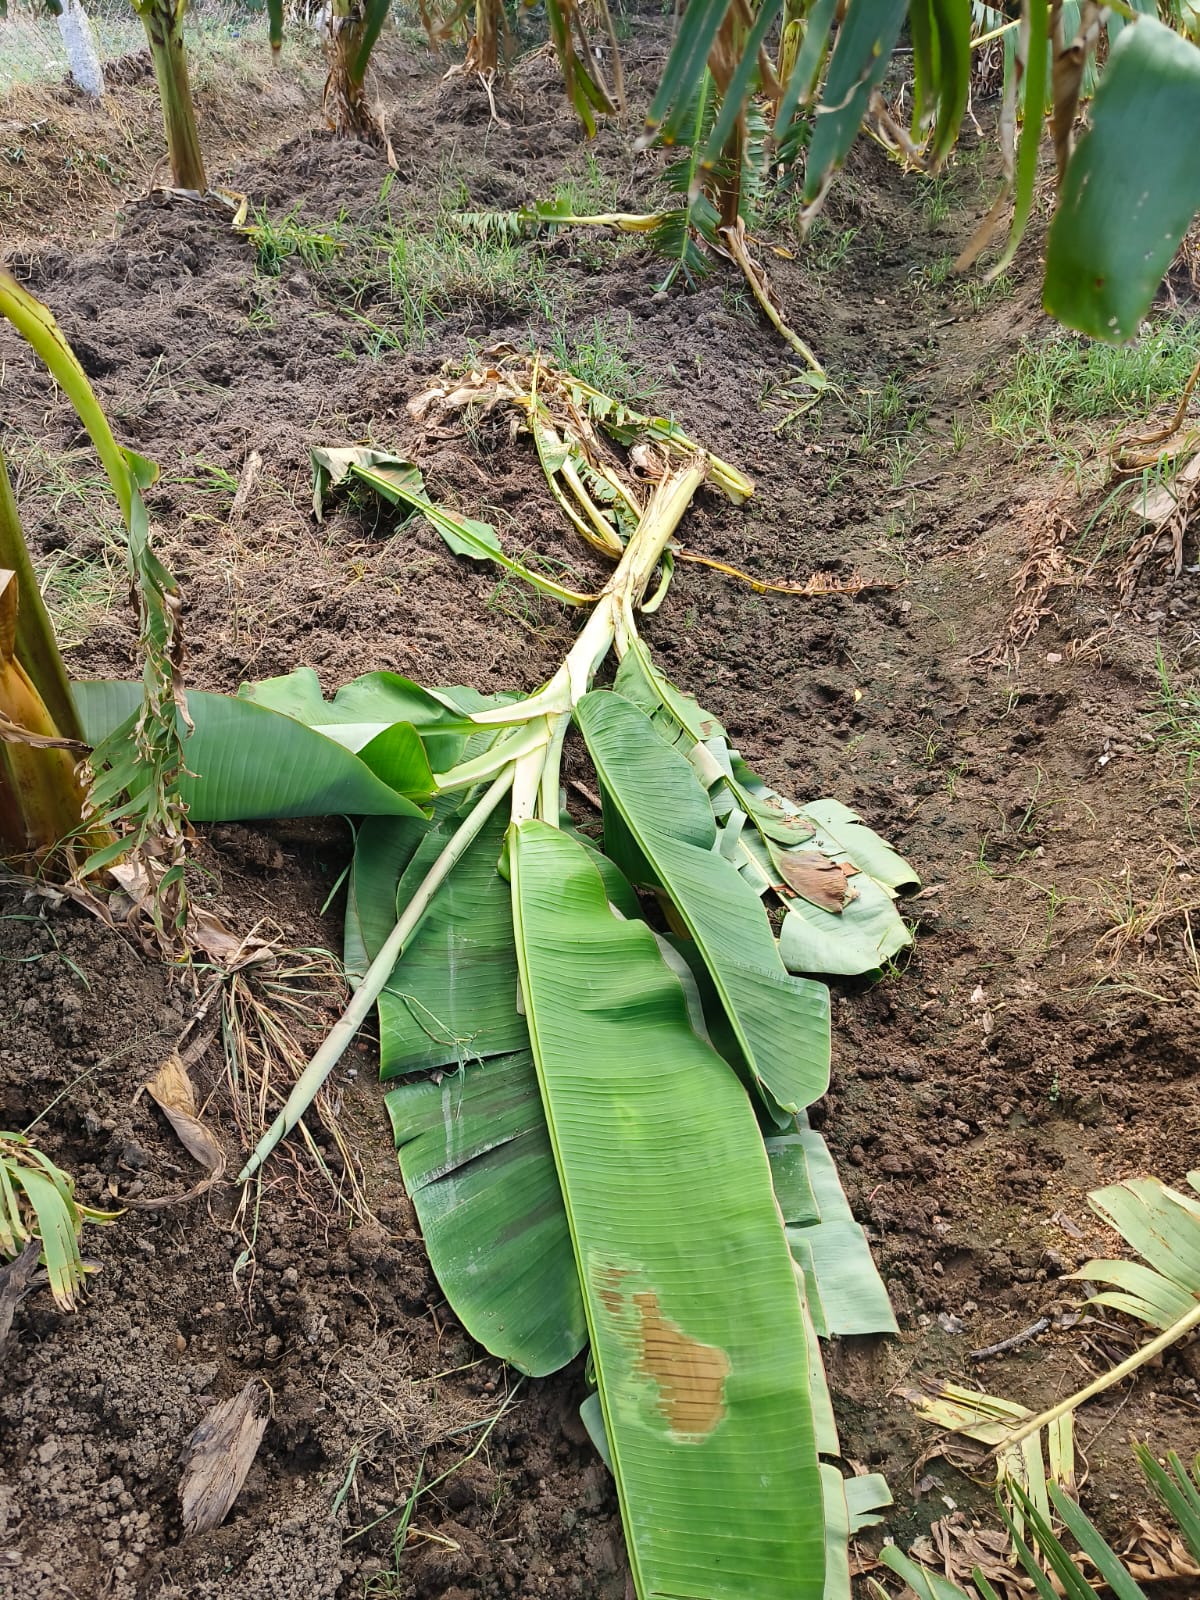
(1069, 379)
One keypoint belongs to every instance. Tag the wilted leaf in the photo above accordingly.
(220, 1453)
(826, 883)
(171, 1090)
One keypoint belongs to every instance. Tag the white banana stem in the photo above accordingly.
(311, 1080)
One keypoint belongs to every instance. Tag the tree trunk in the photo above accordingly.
(163, 22)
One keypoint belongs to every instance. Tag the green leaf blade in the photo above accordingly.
(1131, 189)
(697, 1330)
(781, 1023)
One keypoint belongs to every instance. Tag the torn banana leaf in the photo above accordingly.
(852, 1297)
(452, 997)
(247, 761)
(867, 930)
(851, 1504)
(659, 828)
(477, 1164)
(860, 58)
(367, 707)
(698, 1339)
(472, 1144)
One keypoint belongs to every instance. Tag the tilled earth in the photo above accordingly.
(1039, 1041)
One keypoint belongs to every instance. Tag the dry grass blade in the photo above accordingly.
(1155, 1554)
(1142, 931)
(220, 1454)
(270, 1016)
(956, 1547)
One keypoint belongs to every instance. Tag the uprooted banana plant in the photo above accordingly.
(613, 1148)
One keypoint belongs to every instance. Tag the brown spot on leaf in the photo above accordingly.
(690, 1376)
(824, 882)
(608, 1287)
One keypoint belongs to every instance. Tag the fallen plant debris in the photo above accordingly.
(565, 1235)
(218, 1458)
(1042, 571)
(172, 1091)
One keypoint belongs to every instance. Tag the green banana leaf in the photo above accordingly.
(383, 847)
(246, 761)
(366, 708)
(474, 1153)
(452, 997)
(476, 1162)
(659, 828)
(1132, 186)
(868, 931)
(851, 1504)
(861, 53)
(853, 1299)
(697, 1331)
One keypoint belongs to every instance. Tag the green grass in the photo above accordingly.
(217, 35)
(1067, 380)
(1177, 712)
(395, 284)
(604, 358)
(275, 241)
(84, 579)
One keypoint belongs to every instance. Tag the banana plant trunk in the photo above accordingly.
(163, 21)
(346, 106)
(484, 52)
(41, 797)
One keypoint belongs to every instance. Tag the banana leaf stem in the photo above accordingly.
(1123, 1369)
(36, 647)
(36, 325)
(312, 1079)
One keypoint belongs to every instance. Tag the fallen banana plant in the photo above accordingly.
(612, 1149)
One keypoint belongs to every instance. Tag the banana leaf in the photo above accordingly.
(367, 707)
(861, 53)
(1132, 186)
(659, 829)
(697, 1332)
(246, 761)
(477, 1164)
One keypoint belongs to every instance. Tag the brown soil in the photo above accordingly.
(1014, 1063)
